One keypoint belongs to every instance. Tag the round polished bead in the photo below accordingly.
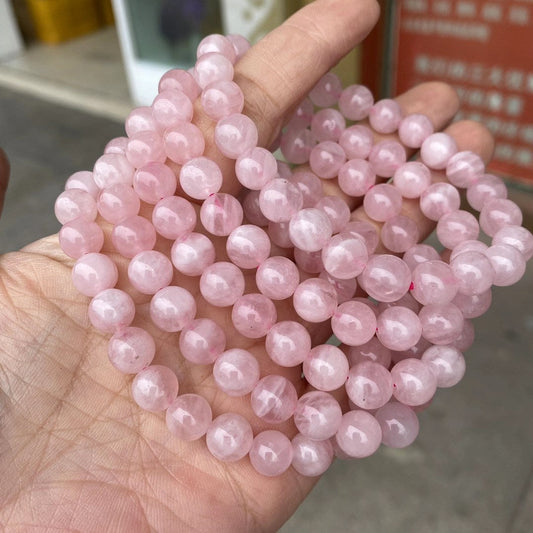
(240, 44)
(183, 142)
(188, 417)
(498, 213)
(327, 125)
(170, 107)
(356, 177)
(110, 169)
(83, 180)
(434, 283)
(315, 300)
(271, 453)
(145, 147)
(310, 262)
(172, 308)
(414, 130)
(235, 135)
(441, 324)
(79, 237)
(344, 256)
(366, 231)
(420, 253)
(398, 328)
(464, 169)
(74, 203)
(303, 115)
(369, 385)
(216, 43)
(456, 227)
(437, 150)
(486, 188)
(473, 305)
(94, 273)
(111, 309)
(415, 351)
(309, 185)
(311, 457)
(174, 217)
(200, 177)
(192, 254)
(248, 246)
(383, 201)
(118, 202)
(359, 434)
(180, 80)
(251, 209)
(131, 349)
(326, 159)
(385, 116)
(211, 67)
(296, 145)
(412, 179)
(386, 157)
(253, 315)
(337, 210)
(468, 246)
(274, 399)
(399, 425)
(516, 236)
(155, 388)
(140, 119)
(310, 229)
(354, 323)
(229, 437)
(345, 288)
(221, 213)
(405, 301)
(326, 367)
(399, 233)
(447, 363)
(202, 341)
(222, 98)
(254, 169)
(326, 91)
(466, 338)
(317, 415)
(236, 372)
(507, 263)
(277, 277)
(414, 383)
(372, 351)
(288, 343)
(473, 271)
(280, 199)
(150, 271)
(221, 284)
(439, 199)
(356, 141)
(355, 102)
(133, 235)
(386, 278)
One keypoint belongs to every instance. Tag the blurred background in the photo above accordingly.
(71, 70)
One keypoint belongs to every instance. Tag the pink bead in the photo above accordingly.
(75, 203)
(253, 315)
(150, 271)
(172, 308)
(277, 277)
(326, 159)
(369, 385)
(359, 434)
(311, 457)
(398, 328)
(486, 188)
(251, 209)
(327, 125)
(279, 200)
(236, 372)
(180, 80)
(420, 253)
(220, 214)
(217, 43)
(83, 180)
(498, 213)
(473, 271)
(140, 119)
(271, 453)
(466, 338)
(317, 415)
(355, 102)
(235, 135)
(229, 437)
(110, 310)
(473, 305)
(517, 237)
(145, 147)
(248, 246)
(131, 349)
(183, 142)
(274, 399)
(507, 263)
(240, 44)
(110, 169)
(434, 283)
(412, 179)
(399, 233)
(399, 425)
(302, 116)
(437, 150)
(279, 234)
(192, 254)
(116, 146)
(344, 256)
(327, 90)
(366, 231)
(118, 202)
(288, 343)
(310, 262)
(414, 130)
(155, 388)
(326, 367)
(405, 301)
(154, 181)
(296, 145)
(356, 141)
(200, 177)
(171, 107)
(189, 416)
(337, 210)
(345, 288)
(356, 177)
(353, 323)
(415, 352)
(456, 227)
(385, 116)
(310, 229)
(386, 157)
(439, 199)
(414, 383)
(464, 169)
(93, 273)
(202, 341)
(211, 67)
(372, 351)
(382, 202)
(133, 235)
(386, 278)
(441, 324)
(222, 284)
(80, 237)
(254, 169)
(447, 363)
(468, 246)
(315, 300)
(173, 217)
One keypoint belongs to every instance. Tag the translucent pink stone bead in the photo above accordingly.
(466, 338)
(202, 341)
(386, 157)
(356, 177)
(155, 388)
(326, 159)
(405, 301)
(464, 169)
(248, 246)
(414, 130)
(110, 169)
(359, 434)
(216, 43)
(131, 349)
(277, 277)
(118, 202)
(189, 416)
(211, 67)
(498, 213)
(345, 288)
(399, 425)
(140, 119)
(310, 229)
(274, 399)
(83, 180)
(399, 234)
(456, 227)
(173, 217)
(271, 453)
(383, 201)
(309, 185)
(200, 177)
(183, 142)
(473, 305)
(144, 147)
(296, 145)
(437, 150)
(385, 116)
(179, 80)
(366, 231)
(369, 385)
(317, 415)
(507, 263)
(517, 237)
(412, 179)
(310, 262)
(327, 90)
(468, 246)
(75, 203)
(327, 125)
(254, 169)
(315, 300)
(192, 254)
(419, 253)
(337, 210)
(354, 323)
(434, 283)
(486, 188)
(150, 271)
(302, 116)
(398, 328)
(326, 367)
(133, 235)
(154, 181)
(221, 213)
(235, 135)
(372, 351)
(253, 315)
(221, 284)
(79, 237)
(236, 372)
(414, 383)
(439, 199)
(447, 363)
(311, 457)
(116, 146)
(240, 44)
(170, 107)
(344, 256)
(288, 343)
(473, 271)
(279, 200)
(172, 308)
(415, 351)
(229, 437)
(356, 141)
(386, 278)
(279, 234)
(111, 309)
(251, 209)
(355, 102)
(93, 273)
(441, 324)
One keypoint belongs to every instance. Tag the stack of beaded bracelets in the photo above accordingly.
(397, 345)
